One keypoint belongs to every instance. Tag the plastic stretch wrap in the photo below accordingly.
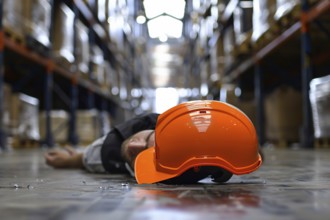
(283, 7)
(13, 16)
(320, 102)
(37, 19)
(63, 34)
(6, 116)
(228, 47)
(27, 116)
(242, 23)
(59, 125)
(82, 50)
(283, 114)
(88, 125)
(105, 123)
(108, 72)
(102, 10)
(98, 73)
(263, 17)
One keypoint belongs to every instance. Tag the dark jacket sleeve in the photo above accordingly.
(111, 148)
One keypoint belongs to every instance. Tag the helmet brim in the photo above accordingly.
(145, 169)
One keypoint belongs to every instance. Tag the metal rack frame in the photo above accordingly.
(308, 15)
(51, 68)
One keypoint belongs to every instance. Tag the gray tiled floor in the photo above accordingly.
(290, 185)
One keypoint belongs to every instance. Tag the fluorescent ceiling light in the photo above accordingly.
(141, 19)
(155, 8)
(246, 4)
(165, 25)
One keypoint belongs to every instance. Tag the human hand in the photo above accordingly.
(64, 158)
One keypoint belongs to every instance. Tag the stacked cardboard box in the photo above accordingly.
(37, 19)
(242, 22)
(283, 112)
(229, 47)
(285, 7)
(82, 50)
(6, 116)
(24, 117)
(13, 17)
(28, 18)
(88, 126)
(263, 19)
(63, 35)
(59, 120)
(97, 60)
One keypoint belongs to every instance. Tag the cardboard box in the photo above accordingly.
(263, 17)
(82, 50)
(59, 120)
(284, 7)
(98, 70)
(283, 113)
(36, 19)
(63, 34)
(88, 126)
(13, 16)
(24, 117)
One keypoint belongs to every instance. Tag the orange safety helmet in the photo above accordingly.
(198, 134)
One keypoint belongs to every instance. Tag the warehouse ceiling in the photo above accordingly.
(165, 22)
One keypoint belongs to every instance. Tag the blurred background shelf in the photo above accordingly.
(85, 55)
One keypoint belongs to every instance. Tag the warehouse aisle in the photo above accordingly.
(290, 185)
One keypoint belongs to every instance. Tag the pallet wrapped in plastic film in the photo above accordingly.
(99, 8)
(320, 102)
(285, 7)
(6, 115)
(229, 47)
(24, 117)
(59, 120)
(283, 114)
(263, 19)
(97, 61)
(12, 18)
(88, 126)
(82, 49)
(63, 35)
(37, 20)
(242, 22)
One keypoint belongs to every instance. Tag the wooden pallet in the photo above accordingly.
(63, 62)
(18, 143)
(14, 36)
(290, 18)
(283, 143)
(322, 143)
(245, 48)
(35, 45)
(266, 37)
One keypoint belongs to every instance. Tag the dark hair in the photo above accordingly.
(194, 175)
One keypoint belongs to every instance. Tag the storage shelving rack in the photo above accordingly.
(106, 101)
(309, 14)
(2, 132)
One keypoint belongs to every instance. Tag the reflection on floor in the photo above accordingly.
(290, 185)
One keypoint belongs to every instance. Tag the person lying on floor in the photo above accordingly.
(112, 153)
(195, 140)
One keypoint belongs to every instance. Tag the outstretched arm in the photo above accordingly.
(65, 158)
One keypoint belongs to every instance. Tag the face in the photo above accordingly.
(138, 142)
